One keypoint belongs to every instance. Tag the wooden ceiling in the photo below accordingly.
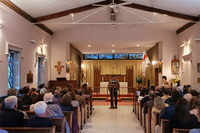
(192, 19)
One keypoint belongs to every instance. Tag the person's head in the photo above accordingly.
(38, 97)
(166, 91)
(194, 93)
(26, 90)
(69, 87)
(73, 95)
(180, 89)
(182, 110)
(157, 88)
(40, 108)
(188, 97)
(41, 85)
(195, 103)
(147, 91)
(139, 87)
(164, 78)
(33, 89)
(143, 92)
(57, 93)
(84, 86)
(113, 77)
(48, 97)
(174, 92)
(11, 102)
(152, 87)
(189, 89)
(176, 96)
(43, 91)
(159, 103)
(79, 92)
(59, 88)
(151, 94)
(66, 100)
(12, 92)
(64, 90)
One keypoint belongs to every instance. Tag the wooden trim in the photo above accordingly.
(25, 15)
(161, 11)
(185, 27)
(67, 12)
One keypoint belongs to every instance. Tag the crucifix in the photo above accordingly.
(59, 67)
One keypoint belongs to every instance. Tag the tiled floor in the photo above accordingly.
(105, 120)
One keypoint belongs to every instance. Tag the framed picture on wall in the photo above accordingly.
(159, 67)
(175, 66)
(198, 67)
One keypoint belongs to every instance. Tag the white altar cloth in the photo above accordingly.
(123, 88)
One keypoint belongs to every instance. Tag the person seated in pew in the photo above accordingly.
(195, 106)
(54, 110)
(188, 97)
(180, 89)
(195, 130)
(26, 98)
(3, 131)
(57, 95)
(36, 99)
(64, 91)
(40, 86)
(166, 92)
(170, 100)
(65, 103)
(39, 120)
(33, 92)
(79, 98)
(194, 92)
(70, 87)
(10, 117)
(142, 94)
(146, 98)
(182, 118)
(137, 93)
(150, 102)
(74, 102)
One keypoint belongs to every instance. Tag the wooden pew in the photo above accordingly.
(140, 112)
(29, 129)
(164, 125)
(78, 115)
(155, 121)
(69, 117)
(26, 107)
(176, 130)
(135, 107)
(59, 123)
(148, 120)
(82, 115)
(143, 118)
(137, 104)
(30, 113)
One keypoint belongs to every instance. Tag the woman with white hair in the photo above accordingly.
(39, 120)
(10, 117)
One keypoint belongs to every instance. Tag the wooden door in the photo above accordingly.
(129, 76)
(156, 76)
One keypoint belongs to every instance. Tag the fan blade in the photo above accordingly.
(125, 3)
(97, 5)
(115, 10)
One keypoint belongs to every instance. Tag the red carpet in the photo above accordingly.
(122, 103)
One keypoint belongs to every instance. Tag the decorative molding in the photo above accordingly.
(14, 47)
(187, 57)
(25, 15)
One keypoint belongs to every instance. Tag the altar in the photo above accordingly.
(123, 88)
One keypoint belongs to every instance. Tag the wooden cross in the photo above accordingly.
(59, 67)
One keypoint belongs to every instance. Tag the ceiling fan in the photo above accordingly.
(113, 5)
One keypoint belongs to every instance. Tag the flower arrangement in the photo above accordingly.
(175, 82)
(139, 79)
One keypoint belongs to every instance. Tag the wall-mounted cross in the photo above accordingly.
(59, 67)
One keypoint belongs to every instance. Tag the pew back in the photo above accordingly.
(69, 117)
(175, 130)
(29, 129)
(164, 125)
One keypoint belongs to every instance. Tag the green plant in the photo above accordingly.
(139, 79)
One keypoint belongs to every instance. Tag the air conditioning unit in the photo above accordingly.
(196, 40)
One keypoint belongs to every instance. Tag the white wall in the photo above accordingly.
(93, 33)
(18, 31)
(189, 72)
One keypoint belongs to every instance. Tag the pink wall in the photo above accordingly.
(189, 72)
(93, 33)
(18, 31)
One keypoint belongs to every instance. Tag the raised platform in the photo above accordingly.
(109, 99)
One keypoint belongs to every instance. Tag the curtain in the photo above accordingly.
(111, 67)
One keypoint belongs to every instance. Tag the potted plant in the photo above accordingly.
(139, 79)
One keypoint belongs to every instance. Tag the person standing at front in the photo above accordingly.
(113, 85)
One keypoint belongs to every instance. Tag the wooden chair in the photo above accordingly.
(69, 117)
(148, 120)
(176, 130)
(164, 125)
(30, 113)
(29, 129)
(26, 107)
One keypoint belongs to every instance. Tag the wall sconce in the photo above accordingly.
(82, 65)
(154, 62)
(43, 44)
(184, 44)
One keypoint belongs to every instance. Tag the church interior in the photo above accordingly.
(62, 42)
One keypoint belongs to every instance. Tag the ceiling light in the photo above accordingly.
(113, 45)
(88, 45)
(113, 51)
(138, 45)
